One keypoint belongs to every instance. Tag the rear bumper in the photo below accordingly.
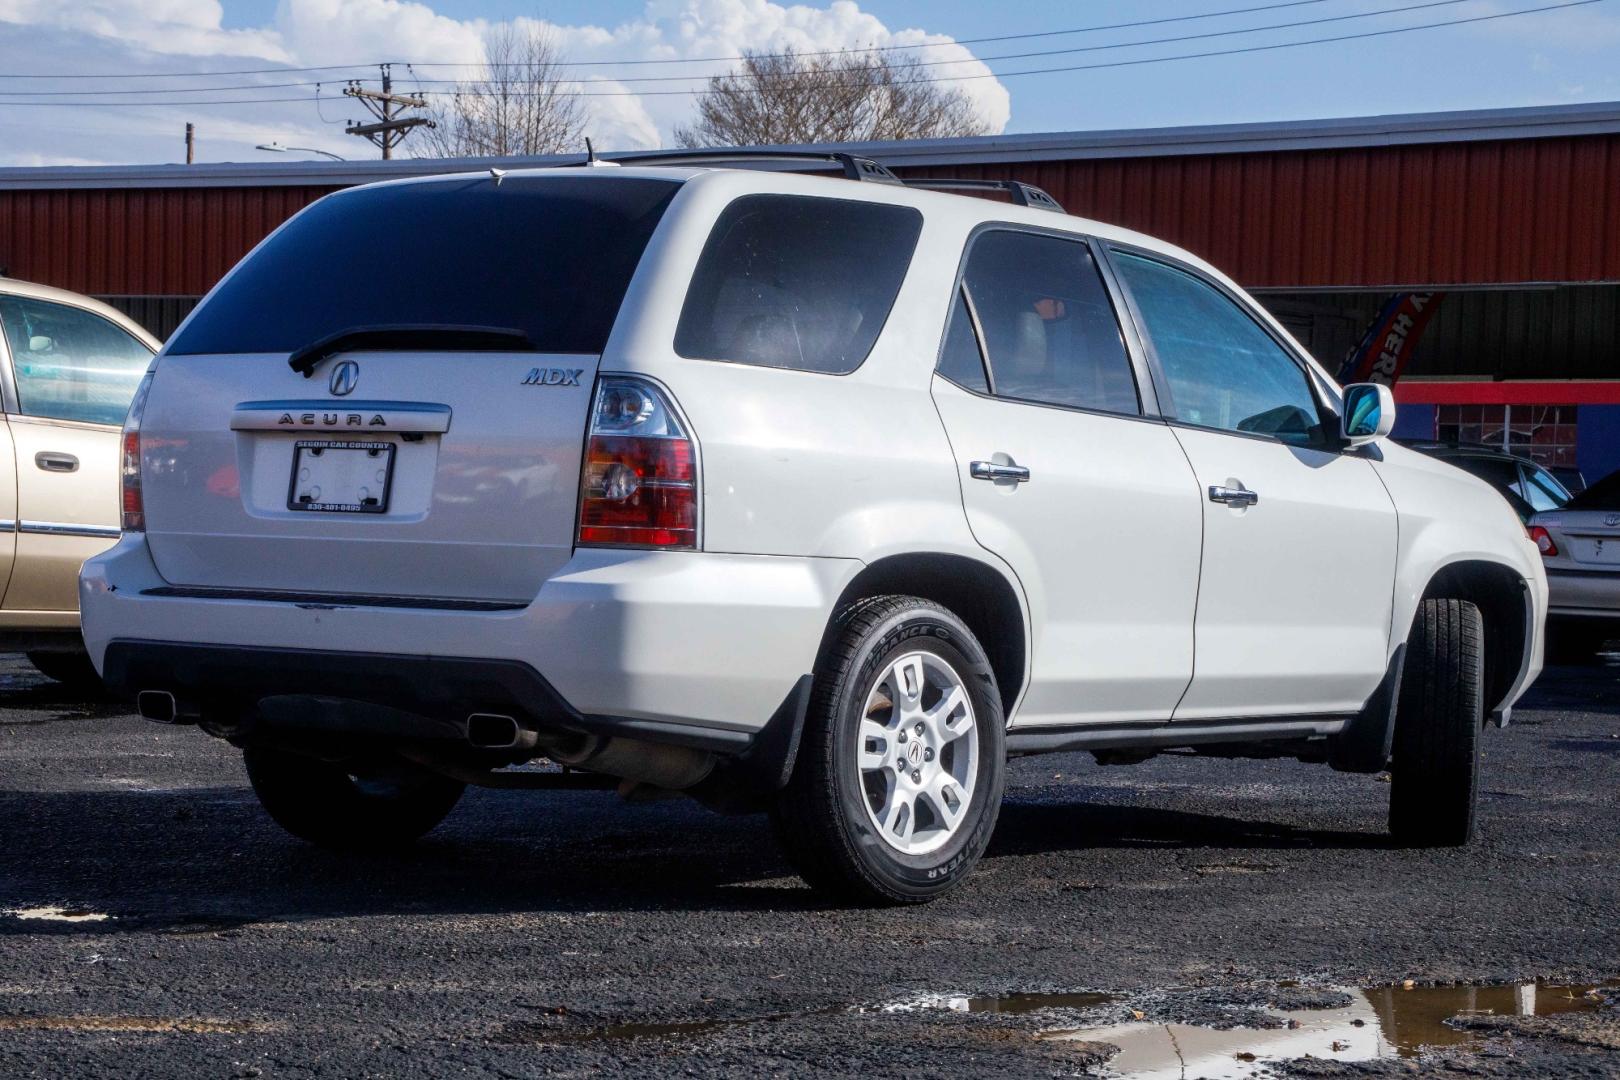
(699, 642)
(1583, 593)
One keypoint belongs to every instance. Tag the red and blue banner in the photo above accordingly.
(1389, 343)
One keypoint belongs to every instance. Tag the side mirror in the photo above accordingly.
(1369, 413)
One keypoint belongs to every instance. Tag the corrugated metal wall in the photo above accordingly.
(162, 315)
(143, 241)
(1483, 213)
(1527, 210)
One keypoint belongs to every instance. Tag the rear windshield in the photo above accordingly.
(1603, 495)
(550, 256)
(791, 281)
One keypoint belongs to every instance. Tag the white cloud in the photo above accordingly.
(686, 29)
(121, 36)
(343, 31)
(172, 27)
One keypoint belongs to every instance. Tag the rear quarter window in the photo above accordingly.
(551, 256)
(800, 282)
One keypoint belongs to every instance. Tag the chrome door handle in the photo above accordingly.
(1238, 496)
(51, 461)
(989, 470)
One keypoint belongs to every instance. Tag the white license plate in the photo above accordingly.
(1606, 550)
(341, 476)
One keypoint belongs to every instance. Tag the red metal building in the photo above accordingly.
(1513, 214)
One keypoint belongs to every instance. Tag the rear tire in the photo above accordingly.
(71, 668)
(1434, 777)
(347, 807)
(901, 766)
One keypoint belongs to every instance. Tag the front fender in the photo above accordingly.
(1449, 519)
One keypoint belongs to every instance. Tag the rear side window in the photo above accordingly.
(789, 281)
(1050, 332)
(551, 256)
(960, 359)
(71, 364)
(1542, 490)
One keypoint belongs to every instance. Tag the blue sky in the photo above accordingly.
(1547, 58)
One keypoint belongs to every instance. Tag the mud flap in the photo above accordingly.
(1364, 744)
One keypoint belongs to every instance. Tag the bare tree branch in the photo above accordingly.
(842, 97)
(517, 103)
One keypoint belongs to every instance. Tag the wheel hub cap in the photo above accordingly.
(918, 753)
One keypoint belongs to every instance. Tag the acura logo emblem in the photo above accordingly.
(344, 378)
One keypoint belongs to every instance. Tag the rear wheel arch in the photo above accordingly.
(1499, 593)
(978, 593)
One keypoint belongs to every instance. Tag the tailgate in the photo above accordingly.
(438, 474)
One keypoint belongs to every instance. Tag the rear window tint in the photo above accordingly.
(550, 256)
(790, 281)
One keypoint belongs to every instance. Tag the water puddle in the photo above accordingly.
(1386, 1022)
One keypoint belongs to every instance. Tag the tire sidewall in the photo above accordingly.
(921, 629)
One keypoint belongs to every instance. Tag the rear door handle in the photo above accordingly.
(51, 461)
(1238, 496)
(989, 470)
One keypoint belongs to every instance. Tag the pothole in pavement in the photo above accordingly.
(1380, 1023)
(1176, 1034)
(52, 913)
(136, 1025)
(1009, 1004)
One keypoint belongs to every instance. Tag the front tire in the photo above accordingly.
(901, 766)
(1434, 774)
(345, 806)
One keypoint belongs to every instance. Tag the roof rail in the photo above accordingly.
(1022, 194)
(855, 168)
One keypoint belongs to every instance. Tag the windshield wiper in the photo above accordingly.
(415, 337)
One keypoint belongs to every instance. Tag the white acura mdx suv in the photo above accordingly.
(824, 496)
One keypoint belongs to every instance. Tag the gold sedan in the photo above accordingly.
(69, 367)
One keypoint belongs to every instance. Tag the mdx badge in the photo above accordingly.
(344, 378)
(553, 376)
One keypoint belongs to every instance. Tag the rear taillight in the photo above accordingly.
(1544, 541)
(129, 470)
(638, 487)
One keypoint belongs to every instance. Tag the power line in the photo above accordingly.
(939, 44)
(685, 59)
(1399, 9)
(1396, 10)
(1363, 35)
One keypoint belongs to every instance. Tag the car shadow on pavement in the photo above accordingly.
(1028, 828)
(53, 701)
(184, 860)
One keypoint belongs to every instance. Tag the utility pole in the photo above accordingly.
(390, 128)
(191, 142)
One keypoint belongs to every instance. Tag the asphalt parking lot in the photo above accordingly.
(1210, 917)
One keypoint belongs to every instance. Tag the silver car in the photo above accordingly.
(1580, 546)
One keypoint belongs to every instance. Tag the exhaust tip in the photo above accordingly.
(157, 705)
(493, 731)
